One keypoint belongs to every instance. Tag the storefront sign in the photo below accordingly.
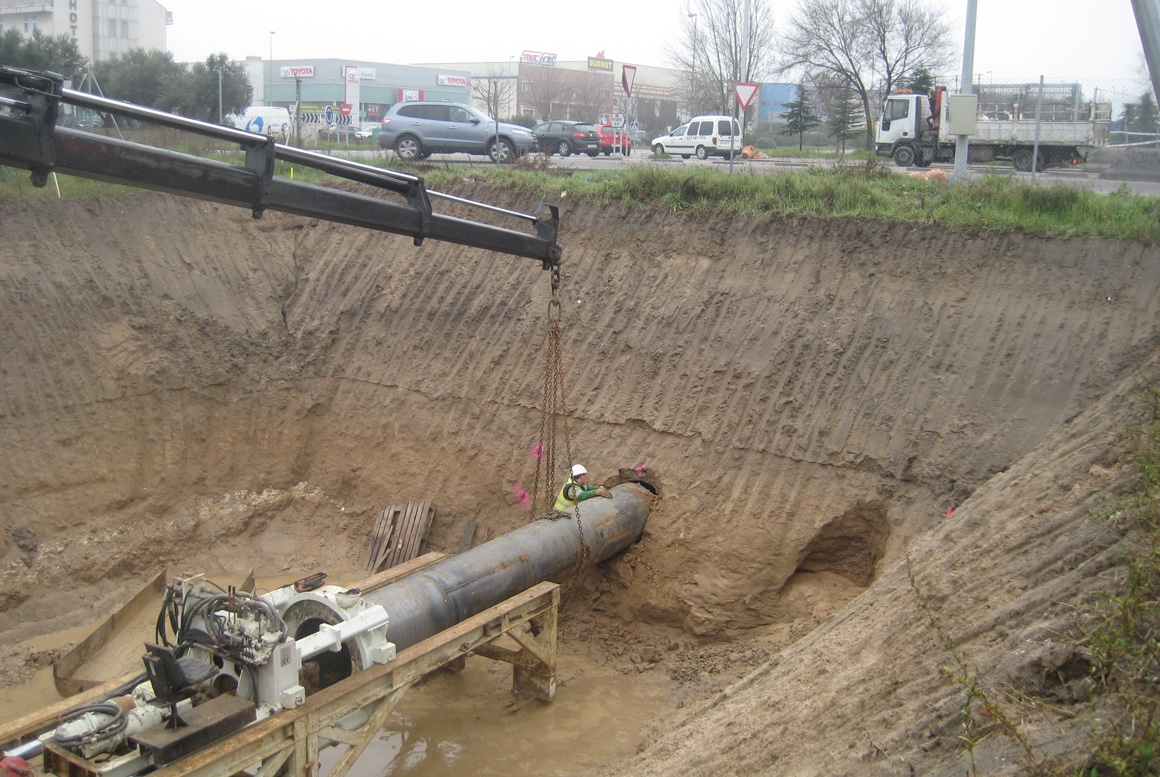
(453, 81)
(599, 65)
(538, 58)
(296, 71)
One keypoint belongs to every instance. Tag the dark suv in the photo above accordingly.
(416, 130)
(567, 137)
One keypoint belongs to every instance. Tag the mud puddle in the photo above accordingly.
(471, 723)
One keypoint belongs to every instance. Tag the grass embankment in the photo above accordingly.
(871, 191)
(863, 190)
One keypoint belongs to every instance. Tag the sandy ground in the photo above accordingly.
(185, 387)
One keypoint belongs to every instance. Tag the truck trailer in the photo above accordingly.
(920, 129)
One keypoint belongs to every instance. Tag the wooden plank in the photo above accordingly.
(406, 531)
(388, 576)
(380, 539)
(427, 516)
(418, 530)
(65, 668)
(468, 536)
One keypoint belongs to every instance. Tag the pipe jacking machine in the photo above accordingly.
(255, 658)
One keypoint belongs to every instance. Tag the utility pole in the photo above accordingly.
(693, 70)
(962, 142)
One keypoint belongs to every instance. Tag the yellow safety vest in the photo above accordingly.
(563, 503)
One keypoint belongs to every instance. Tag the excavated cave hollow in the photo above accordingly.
(186, 387)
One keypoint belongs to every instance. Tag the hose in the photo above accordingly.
(115, 726)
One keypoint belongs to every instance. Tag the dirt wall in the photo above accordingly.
(167, 362)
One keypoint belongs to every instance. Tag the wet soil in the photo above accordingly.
(184, 387)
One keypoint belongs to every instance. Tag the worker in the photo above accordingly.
(577, 490)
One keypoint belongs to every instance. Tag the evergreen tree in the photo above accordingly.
(1147, 117)
(1129, 116)
(800, 117)
(920, 81)
(846, 120)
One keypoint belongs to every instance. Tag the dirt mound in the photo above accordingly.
(181, 385)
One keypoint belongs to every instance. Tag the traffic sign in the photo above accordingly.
(618, 120)
(746, 93)
(329, 114)
(627, 77)
(346, 109)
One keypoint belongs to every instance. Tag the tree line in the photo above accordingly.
(144, 77)
(846, 55)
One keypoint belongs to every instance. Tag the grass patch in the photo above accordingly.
(853, 188)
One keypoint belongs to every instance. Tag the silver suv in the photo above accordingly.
(416, 130)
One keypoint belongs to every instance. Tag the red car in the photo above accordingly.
(612, 136)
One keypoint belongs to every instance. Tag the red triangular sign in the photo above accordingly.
(746, 93)
(627, 77)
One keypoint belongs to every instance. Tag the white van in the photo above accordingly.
(704, 136)
(264, 120)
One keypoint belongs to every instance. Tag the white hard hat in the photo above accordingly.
(578, 470)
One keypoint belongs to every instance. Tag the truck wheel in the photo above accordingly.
(904, 156)
(1021, 160)
(923, 158)
(702, 153)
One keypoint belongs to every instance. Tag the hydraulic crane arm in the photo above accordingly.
(29, 139)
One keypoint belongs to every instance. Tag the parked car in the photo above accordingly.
(416, 130)
(704, 136)
(611, 137)
(366, 132)
(567, 137)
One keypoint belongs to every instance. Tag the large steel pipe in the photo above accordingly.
(552, 549)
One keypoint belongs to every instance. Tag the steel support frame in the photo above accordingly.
(289, 742)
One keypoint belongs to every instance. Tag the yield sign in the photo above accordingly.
(627, 77)
(746, 93)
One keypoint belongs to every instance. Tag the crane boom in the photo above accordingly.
(30, 139)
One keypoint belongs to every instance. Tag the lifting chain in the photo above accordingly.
(553, 410)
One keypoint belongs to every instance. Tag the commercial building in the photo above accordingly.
(102, 29)
(540, 86)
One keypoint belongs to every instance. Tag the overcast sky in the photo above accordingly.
(1016, 39)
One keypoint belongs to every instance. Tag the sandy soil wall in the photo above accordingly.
(813, 392)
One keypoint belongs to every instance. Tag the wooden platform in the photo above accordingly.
(399, 533)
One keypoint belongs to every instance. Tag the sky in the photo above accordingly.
(1016, 40)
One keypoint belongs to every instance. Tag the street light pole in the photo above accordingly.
(270, 80)
(693, 69)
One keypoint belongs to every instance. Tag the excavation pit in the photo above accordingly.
(185, 387)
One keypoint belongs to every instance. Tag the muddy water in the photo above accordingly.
(470, 723)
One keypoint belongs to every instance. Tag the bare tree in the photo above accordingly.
(544, 88)
(710, 50)
(871, 45)
(495, 90)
